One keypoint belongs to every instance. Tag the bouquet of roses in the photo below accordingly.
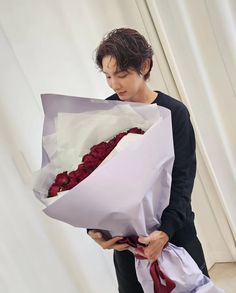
(68, 180)
(127, 191)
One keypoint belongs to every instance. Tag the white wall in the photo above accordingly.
(47, 46)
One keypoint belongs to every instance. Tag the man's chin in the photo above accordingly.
(124, 98)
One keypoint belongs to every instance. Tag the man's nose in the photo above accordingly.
(115, 85)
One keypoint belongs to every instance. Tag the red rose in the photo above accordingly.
(119, 136)
(100, 151)
(62, 179)
(80, 169)
(87, 158)
(135, 130)
(73, 182)
(72, 175)
(100, 146)
(82, 176)
(53, 190)
(81, 172)
(92, 164)
(112, 143)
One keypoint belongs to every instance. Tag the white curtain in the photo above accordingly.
(47, 46)
(198, 38)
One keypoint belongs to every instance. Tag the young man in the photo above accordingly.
(125, 57)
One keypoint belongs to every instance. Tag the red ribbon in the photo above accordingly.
(166, 286)
(162, 283)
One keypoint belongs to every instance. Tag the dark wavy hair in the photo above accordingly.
(128, 47)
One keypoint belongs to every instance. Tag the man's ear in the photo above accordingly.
(145, 66)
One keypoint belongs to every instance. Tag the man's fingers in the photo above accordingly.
(95, 234)
(121, 247)
(140, 251)
(107, 244)
(111, 242)
(144, 240)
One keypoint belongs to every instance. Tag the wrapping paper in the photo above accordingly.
(126, 194)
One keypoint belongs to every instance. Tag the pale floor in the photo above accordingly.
(224, 276)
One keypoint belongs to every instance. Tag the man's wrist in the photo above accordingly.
(164, 236)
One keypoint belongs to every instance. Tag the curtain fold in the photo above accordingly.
(200, 51)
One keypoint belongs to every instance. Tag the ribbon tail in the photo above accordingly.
(162, 283)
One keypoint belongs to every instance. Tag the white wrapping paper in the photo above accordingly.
(126, 194)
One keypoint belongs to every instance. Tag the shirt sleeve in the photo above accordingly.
(179, 211)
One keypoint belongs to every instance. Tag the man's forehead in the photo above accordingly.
(109, 62)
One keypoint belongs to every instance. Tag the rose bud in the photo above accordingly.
(72, 175)
(73, 182)
(81, 172)
(87, 158)
(62, 179)
(119, 136)
(135, 130)
(79, 169)
(112, 143)
(91, 165)
(99, 149)
(99, 154)
(102, 144)
(83, 176)
(53, 190)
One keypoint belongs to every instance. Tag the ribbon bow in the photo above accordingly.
(162, 283)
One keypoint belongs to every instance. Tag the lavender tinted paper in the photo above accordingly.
(126, 195)
(117, 193)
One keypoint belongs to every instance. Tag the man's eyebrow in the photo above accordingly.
(119, 71)
(116, 72)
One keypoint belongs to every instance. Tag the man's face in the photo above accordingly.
(127, 84)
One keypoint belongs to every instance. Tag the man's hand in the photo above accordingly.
(155, 242)
(107, 244)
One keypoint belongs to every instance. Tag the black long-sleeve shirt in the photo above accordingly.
(178, 218)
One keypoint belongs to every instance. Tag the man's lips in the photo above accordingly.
(121, 93)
